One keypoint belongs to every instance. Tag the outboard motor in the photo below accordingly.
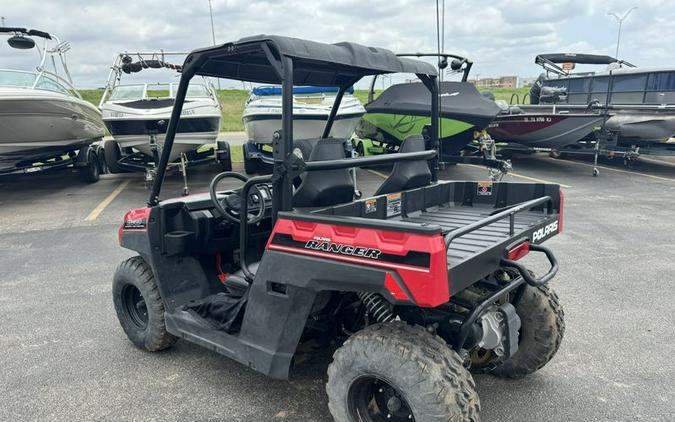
(535, 90)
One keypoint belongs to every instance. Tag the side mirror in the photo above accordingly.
(20, 42)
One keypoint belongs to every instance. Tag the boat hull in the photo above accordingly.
(260, 129)
(134, 127)
(554, 131)
(37, 125)
(262, 117)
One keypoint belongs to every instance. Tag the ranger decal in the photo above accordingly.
(325, 245)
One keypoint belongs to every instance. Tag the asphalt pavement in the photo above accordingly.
(63, 355)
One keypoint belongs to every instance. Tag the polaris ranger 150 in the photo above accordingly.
(417, 286)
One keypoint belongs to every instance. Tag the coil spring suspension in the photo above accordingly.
(377, 307)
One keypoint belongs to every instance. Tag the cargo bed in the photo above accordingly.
(479, 220)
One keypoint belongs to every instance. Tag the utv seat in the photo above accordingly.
(328, 187)
(407, 174)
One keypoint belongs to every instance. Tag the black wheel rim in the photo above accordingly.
(371, 398)
(135, 306)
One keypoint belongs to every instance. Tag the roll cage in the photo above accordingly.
(287, 61)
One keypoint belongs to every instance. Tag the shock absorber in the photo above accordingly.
(377, 307)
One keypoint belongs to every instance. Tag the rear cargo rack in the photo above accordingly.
(509, 212)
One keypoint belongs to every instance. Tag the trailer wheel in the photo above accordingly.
(398, 372)
(303, 149)
(139, 305)
(90, 172)
(251, 165)
(223, 155)
(112, 154)
(541, 332)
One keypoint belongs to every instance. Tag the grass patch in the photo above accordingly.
(232, 102)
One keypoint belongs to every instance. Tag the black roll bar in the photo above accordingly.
(369, 161)
(185, 78)
(333, 111)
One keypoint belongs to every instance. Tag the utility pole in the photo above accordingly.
(213, 34)
(620, 20)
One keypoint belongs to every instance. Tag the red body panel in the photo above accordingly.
(427, 284)
(136, 219)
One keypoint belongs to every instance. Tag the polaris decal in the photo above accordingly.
(325, 245)
(545, 231)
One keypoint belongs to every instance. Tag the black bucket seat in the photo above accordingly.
(407, 174)
(328, 187)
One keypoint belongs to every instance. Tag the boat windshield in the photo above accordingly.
(128, 92)
(198, 91)
(18, 79)
(156, 91)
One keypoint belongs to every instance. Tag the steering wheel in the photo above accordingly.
(230, 205)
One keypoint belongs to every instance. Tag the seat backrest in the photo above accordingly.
(407, 174)
(328, 187)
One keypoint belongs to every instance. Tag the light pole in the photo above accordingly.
(620, 20)
(213, 34)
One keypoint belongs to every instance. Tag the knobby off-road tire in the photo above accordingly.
(430, 377)
(541, 332)
(139, 306)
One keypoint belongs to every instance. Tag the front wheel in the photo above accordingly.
(397, 372)
(139, 305)
(541, 332)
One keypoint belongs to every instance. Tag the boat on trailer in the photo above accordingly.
(311, 108)
(402, 110)
(44, 122)
(640, 103)
(137, 114)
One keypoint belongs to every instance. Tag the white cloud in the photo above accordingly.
(502, 37)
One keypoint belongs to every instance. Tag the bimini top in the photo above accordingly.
(577, 58)
(459, 100)
(314, 63)
(276, 90)
(32, 32)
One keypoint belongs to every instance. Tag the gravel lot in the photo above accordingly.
(64, 356)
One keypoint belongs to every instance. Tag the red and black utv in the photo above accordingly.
(418, 285)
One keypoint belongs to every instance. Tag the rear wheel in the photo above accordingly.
(541, 332)
(397, 372)
(112, 153)
(139, 305)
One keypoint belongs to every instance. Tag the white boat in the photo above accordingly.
(43, 119)
(137, 114)
(311, 107)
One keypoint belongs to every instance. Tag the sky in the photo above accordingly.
(502, 37)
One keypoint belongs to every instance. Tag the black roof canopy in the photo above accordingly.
(314, 63)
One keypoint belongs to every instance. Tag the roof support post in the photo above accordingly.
(185, 78)
(333, 111)
(435, 116)
(283, 147)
